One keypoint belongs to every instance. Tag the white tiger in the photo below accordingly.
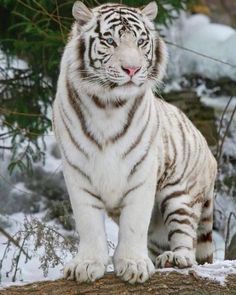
(127, 152)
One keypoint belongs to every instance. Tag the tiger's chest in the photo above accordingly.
(109, 175)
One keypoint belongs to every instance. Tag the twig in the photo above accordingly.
(10, 112)
(232, 214)
(221, 123)
(225, 134)
(10, 238)
(200, 54)
(3, 257)
(24, 132)
(59, 22)
(18, 257)
(6, 147)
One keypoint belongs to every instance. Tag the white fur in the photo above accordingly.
(109, 172)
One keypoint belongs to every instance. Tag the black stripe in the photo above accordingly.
(131, 20)
(177, 231)
(92, 194)
(113, 20)
(181, 212)
(96, 207)
(74, 100)
(109, 104)
(173, 164)
(182, 221)
(110, 6)
(76, 144)
(180, 178)
(107, 33)
(159, 248)
(81, 50)
(76, 167)
(138, 139)
(182, 248)
(196, 155)
(129, 119)
(132, 189)
(120, 205)
(167, 198)
(153, 251)
(158, 59)
(208, 259)
(91, 60)
(139, 162)
(203, 238)
(104, 44)
(103, 54)
(130, 13)
(137, 27)
(110, 14)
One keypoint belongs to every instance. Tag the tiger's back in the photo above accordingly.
(128, 153)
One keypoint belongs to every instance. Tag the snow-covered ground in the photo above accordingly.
(31, 270)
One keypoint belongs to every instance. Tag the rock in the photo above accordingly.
(220, 11)
(202, 116)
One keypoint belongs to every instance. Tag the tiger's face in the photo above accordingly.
(118, 45)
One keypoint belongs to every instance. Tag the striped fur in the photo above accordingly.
(127, 152)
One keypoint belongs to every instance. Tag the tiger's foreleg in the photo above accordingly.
(90, 262)
(181, 220)
(131, 259)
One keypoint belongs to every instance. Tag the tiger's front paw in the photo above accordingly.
(171, 259)
(134, 270)
(84, 270)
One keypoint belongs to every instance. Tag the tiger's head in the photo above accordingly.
(118, 46)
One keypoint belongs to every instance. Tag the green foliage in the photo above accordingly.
(36, 32)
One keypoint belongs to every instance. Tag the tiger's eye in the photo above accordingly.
(140, 41)
(110, 41)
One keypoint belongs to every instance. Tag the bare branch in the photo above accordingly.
(13, 241)
(225, 134)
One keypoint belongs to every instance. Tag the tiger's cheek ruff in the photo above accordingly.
(127, 152)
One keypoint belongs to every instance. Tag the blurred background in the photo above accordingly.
(37, 233)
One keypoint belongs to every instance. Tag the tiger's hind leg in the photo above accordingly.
(181, 214)
(157, 235)
(204, 252)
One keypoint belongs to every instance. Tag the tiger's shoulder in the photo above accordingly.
(167, 109)
(176, 122)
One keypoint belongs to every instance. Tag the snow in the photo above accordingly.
(10, 63)
(218, 271)
(31, 271)
(199, 34)
(51, 164)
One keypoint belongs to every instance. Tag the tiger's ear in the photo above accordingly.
(81, 13)
(150, 10)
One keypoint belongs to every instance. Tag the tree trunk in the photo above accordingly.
(171, 283)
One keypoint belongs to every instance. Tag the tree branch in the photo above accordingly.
(161, 283)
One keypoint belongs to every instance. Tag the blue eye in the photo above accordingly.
(140, 41)
(110, 41)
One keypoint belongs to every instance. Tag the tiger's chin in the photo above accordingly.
(130, 84)
(131, 87)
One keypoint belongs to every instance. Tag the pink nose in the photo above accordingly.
(131, 71)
